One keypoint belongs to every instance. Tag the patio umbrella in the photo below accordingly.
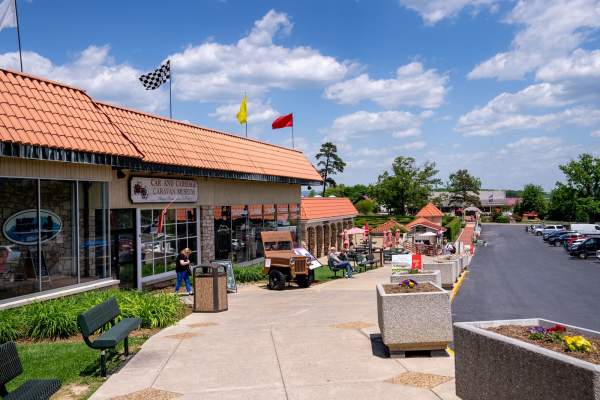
(346, 239)
(354, 231)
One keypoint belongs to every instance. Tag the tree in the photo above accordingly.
(407, 187)
(312, 193)
(330, 163)
(533, 199)
(366, 206)
(354, 193)
(579, 198)
(464, 189)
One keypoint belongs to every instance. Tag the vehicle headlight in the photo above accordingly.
(292, 261)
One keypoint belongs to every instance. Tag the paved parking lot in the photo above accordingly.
(518, 276)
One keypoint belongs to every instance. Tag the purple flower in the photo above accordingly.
(537, 329)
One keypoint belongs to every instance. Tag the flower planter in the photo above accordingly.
(426, 276)
(448, 271)
(489, 365)
(414, 321)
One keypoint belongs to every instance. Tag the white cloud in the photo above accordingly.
(550, 30)
(371, 152)
(258, 112)
(534, 143)
(95, 71)
(525, 110)
(595, 134)
(487, 122)
(412, 86)
(412, 145)
(221, 72)
(361, 123)
(411, 132)
(433, 11)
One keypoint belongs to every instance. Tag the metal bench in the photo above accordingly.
(10, 368)
(96, 318)
(335, 268)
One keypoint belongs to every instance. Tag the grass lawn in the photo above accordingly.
(76, 365)
(323, 273)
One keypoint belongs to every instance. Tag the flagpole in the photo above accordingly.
(246, 128)
(245, 96)
(293, 136)
(170, 101)
(18, 35)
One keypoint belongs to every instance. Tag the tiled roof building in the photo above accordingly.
(324, 220)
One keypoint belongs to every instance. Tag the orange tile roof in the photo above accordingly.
(40, 112)
(387, 226)
(326, 207)
(166, 141)
(430, 210)
(424, 222)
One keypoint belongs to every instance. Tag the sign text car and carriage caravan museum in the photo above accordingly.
(95, 195)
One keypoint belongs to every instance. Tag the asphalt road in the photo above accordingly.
(517, 275)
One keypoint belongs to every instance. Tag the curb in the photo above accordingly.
(456, 287)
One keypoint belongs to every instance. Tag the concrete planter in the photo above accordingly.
(414, 321)
(426, 276)
(492, 366)
(448, 270)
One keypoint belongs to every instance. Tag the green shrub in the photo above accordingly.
(376, 220)
(249, 274)
(54, 319)
(503, 219)
(452, 225)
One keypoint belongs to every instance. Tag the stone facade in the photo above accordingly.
(319, 236)
(207, 233)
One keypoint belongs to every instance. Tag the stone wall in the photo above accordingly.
(207, 233)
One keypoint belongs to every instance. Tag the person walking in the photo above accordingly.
(182, 268)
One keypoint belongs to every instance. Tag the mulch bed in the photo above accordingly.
(521, 333)
(423, 287)
(420, 380)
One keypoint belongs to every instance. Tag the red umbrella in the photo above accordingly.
(366, 228)
(397, 237)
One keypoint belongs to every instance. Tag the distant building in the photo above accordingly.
(489, 200)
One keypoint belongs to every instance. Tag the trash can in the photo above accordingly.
(210, 288)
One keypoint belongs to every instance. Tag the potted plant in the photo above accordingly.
(526, 359)
(417, 275)
(414, 316)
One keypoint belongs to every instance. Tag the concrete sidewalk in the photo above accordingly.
(295, 344)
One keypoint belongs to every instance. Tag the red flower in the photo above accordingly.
(557, 328)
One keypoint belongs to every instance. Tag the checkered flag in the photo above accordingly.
(153, 80)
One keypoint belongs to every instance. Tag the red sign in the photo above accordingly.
(417, 262)
(366, 229)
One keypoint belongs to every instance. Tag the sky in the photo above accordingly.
(506, 89)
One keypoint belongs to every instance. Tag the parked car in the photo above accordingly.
(537, 229)
(564, 238)
(586, 248)
(598, 254)
(550, 229)
(574, 244)
(546, 236)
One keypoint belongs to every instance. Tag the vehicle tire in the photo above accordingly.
(303, 281)
(538, 234)
(583, 255)
(554, 243)
(276, 280)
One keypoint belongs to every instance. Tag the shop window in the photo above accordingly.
(122, 235)
(239, 233)
(222, 223)
(93, 235)
(19, 240)
(295, 222)
(269, 220)
(283, 217)
(160, 248)
(255, 227)
(59, 259)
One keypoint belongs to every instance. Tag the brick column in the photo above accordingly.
(207, 233)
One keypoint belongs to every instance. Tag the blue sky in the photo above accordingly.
(506, 89)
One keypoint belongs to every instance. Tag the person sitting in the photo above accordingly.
(340, 263)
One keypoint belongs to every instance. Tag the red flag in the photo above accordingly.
(366, 229)
(161, 218)
(284, 121)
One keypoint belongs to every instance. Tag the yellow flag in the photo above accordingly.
(243, 113)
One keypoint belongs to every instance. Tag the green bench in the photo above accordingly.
(96, 318)
(10, 368)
